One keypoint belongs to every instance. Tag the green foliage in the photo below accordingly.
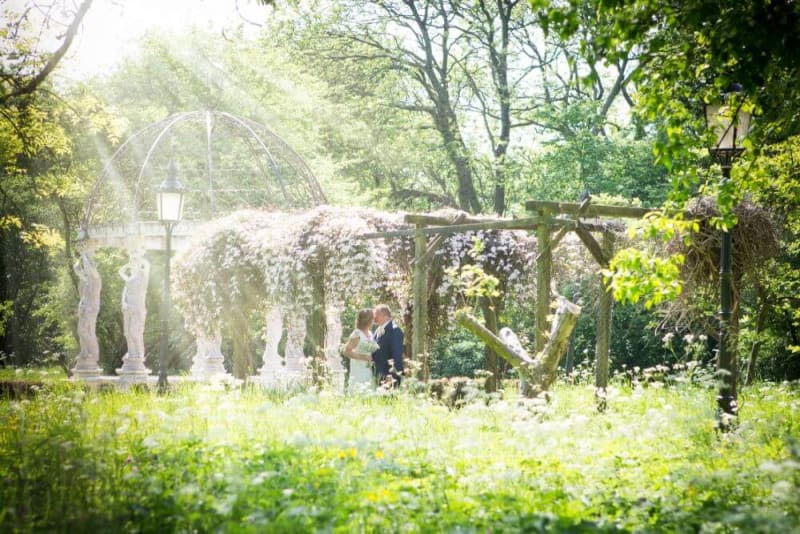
(683, 54)
(634, 275)
(48, 154)
(635, 340)
(5, 312)
(456, 353)
(772, 180)
(201, 459)
(471, 279)
(602, 165)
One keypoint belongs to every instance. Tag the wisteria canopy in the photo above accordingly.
(263, 259)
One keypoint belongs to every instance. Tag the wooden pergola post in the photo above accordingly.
(604, 317)
(543, 224)
(543, 273)
(420, 317)
(601, 252)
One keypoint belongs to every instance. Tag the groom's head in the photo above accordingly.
(382, 314)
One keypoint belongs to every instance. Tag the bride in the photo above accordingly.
(359, 349)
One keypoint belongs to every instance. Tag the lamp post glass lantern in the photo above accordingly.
(169, 199)
(730, 122)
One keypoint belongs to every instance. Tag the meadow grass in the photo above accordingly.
(32, 374)
(203, 459)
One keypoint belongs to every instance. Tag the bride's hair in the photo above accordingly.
(364, 319)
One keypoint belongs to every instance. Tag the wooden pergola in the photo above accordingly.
(551, 222)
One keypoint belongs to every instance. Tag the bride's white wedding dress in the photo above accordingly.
(360, 371)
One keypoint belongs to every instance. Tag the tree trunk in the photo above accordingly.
(760, 323)
(456, 150)
(539, 372)
(500, 66)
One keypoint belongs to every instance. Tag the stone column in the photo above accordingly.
(208, 360)
(273, 364)
(136, 274)
(295, 337)
(333, 341)
(89, 287)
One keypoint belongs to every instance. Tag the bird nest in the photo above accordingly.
(754, 239)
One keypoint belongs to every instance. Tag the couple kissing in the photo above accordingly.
(376, 358)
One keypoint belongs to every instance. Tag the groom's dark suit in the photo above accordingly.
(390, 347)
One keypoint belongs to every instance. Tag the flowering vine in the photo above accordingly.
(270, 259)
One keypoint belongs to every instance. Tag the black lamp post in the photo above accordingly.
(730, 123)
(169, 198)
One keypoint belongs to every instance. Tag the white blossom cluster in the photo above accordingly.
(508, 255)
(274, 258)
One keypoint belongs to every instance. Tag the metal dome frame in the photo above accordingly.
(269, 148)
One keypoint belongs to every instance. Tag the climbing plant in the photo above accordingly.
(254, 260)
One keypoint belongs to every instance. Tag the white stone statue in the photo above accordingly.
(333, 336)
(208, 361)
(333, 342)
(89, 286)
(273, 364)
(136, 274)
(295, 339)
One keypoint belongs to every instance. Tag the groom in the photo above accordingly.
(389, 356)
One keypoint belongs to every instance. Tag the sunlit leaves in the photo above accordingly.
(657, 226)
(10, 221)
(41, 236)
(471, 279)
(634, 275)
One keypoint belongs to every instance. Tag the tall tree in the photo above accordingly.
(37, 174)
(536, 81)
(488, 27)
(419, 41)
(23, 66)
(689, 51)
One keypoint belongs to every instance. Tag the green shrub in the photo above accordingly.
(457, 354)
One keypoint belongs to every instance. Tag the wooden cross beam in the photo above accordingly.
(595, 210)
(437, 241)
(436, 220)
(591, 243)
(564, 229)
(529, 223)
